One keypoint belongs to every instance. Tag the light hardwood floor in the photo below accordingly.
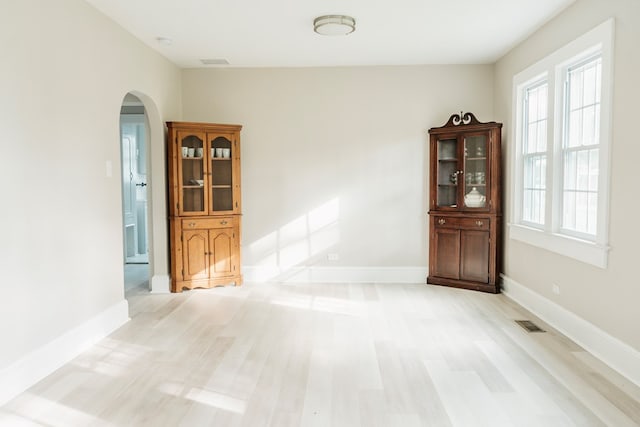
(328, 355)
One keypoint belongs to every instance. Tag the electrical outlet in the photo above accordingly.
(333, 257)
(555, 288)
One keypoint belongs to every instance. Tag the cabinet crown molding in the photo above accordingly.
(464, 119)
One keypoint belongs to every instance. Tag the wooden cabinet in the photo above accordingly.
(204, 204)
(465, 200)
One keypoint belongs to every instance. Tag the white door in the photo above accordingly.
(134, 187)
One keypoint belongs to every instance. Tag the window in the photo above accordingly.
(580, 148)
(562, 138)
(534, 153)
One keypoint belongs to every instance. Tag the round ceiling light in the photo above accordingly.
(334, 25)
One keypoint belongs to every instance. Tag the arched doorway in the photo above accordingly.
(147, 155)
(133, 158)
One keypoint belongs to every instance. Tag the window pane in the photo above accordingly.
(575, 90)
(570, 170)
(583, 104)
(589, 85)
(534, 180)
(535, 123)
(575, 128)
(542, 101)
(533, 105)
(532, 137)
(569, 210)
(589, 136)
(541, 145)
(580, 200)
(582, 170)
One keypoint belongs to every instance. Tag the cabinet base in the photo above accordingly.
(463, 284)
(179, 286)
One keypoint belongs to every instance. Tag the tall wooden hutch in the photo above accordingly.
(465, 204)
(204, 204)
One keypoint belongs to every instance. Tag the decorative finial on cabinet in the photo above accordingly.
(462, 119)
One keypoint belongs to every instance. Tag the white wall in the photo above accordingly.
(335, 161)
(65, 70)
(607, 298)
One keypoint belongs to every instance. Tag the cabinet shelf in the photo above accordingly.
(221, 159)
(221, 186)
(476, 158)
(192, 158)
(448, 159)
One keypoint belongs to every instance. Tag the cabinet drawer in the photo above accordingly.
(466, 223)
(207, 223)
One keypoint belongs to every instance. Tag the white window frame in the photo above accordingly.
(553, 68)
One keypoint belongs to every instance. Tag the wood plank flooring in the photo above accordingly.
(328, 355)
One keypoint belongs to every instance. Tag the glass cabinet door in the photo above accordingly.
(448, 173)
(192, 173)
(475, 171)
(221, 167)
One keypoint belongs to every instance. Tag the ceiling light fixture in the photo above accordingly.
(334, 25)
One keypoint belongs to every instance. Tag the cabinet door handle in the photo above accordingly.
(223, 222)
(479, 223)
(441, 221)
(192, 224)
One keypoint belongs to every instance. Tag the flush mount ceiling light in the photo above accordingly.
(334, 25)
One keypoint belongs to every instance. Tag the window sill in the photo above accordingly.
(581, 250)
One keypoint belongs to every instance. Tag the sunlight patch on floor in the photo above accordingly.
(206, 397)
(322, 304)
(32, 410)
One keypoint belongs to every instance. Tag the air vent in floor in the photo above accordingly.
(529, 326)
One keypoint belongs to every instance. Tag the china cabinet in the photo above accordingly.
(204, 204)
(465, 200)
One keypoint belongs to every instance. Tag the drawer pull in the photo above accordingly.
(479, 223)
(441, 221)
(223, 222)
(192, 224)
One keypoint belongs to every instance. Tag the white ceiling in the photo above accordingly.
(279, 33)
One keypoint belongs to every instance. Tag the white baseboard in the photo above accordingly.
(36, 365)
(160, 284)
(336, 274)
(615, 353)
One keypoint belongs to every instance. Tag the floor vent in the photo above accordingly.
(529, 326)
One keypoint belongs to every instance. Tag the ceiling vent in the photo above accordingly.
(214, 61)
